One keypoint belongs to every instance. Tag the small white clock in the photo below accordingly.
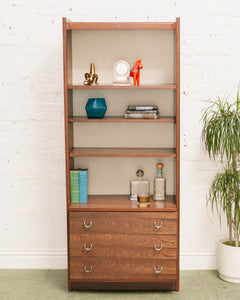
(121, 73)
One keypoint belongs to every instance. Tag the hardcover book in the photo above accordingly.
(141, 111)
(142, 107)
(83, 185)
(142, 116)
(74, 186)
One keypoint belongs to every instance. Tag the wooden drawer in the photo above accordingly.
(123, 245)
(142, 269)
(123, 222)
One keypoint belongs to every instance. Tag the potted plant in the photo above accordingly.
(221, 140)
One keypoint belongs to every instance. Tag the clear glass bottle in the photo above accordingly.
(139, 185)
(159, 184)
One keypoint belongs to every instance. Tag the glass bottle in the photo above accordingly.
(139, 185)
(159, 184)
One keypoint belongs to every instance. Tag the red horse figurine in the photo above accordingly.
(135, 72)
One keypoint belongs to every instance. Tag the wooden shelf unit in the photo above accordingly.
(114, 220)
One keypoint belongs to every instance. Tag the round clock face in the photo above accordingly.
(121, 68)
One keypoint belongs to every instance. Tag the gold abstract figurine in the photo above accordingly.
(90, 77)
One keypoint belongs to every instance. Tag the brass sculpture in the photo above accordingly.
(90, 77)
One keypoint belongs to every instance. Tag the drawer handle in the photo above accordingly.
(156, 270)
(157, 226)
(86, 270)
(87, 226)
(156, 248)
(86, 248)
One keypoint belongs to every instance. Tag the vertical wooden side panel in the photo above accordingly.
(69, 57)
(178, 136)
(70, 104)
(70, 125)
(66, 116)
(66, 54)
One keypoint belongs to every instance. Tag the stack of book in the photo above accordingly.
(142, 112)
(79, 185)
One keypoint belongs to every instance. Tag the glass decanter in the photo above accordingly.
(138, 185)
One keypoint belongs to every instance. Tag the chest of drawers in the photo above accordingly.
(123, 247)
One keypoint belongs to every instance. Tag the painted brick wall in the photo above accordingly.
(32, 178)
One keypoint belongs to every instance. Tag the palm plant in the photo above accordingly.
(221, 140)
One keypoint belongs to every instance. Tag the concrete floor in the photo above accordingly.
(52, 284)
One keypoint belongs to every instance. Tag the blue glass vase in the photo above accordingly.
(96, 108)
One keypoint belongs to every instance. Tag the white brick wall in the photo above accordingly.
(32, 178)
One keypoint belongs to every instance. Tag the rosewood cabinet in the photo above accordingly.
(113, 244)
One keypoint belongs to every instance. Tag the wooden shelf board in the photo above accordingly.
(162, 119)
(121, 26)
(170, 86)
(123, 152)
(122, 203)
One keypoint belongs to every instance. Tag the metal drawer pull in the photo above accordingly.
(87, 226)
(157, 226)
(157, 271)
(86, 270)
(86, 248)
(156, 248)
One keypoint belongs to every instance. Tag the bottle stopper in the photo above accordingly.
(140, 173)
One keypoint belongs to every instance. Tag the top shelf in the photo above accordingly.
(168, 86)
(121, 26)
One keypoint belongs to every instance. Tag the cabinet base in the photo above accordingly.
(123, 286)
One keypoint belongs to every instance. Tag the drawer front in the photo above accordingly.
(123, 222)
(122, 269)
(123, 245)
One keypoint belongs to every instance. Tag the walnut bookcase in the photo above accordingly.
(112, 244)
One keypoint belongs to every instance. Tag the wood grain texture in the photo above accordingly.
(161, 284)
(123, 152)
(66, 122)
(162, 119)
(123, 222)
(70, 104)
(69, 56)
(121, 25)
(123, 245)
(122, 203)
(65, 78)
(178, 138)
(165, 86)
(121, 269)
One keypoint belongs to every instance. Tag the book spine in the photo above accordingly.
(143, 107)
(83, 186)
(141, 116)
(141, 111)
(74, 186)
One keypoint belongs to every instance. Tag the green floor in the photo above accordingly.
(52, 284)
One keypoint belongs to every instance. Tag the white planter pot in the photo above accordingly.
(228, 261)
